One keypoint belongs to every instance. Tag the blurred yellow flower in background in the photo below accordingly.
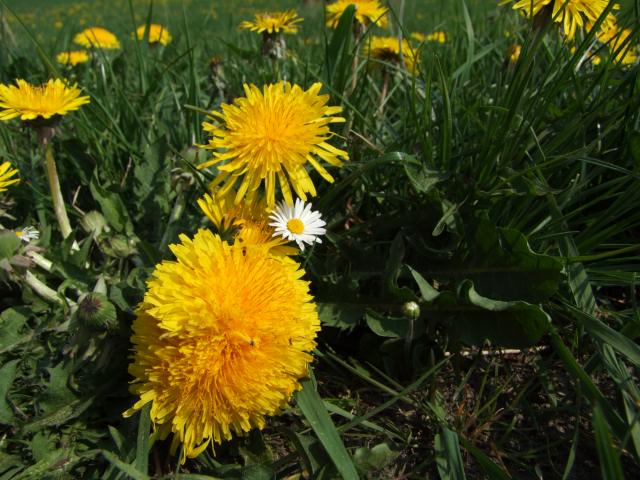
(157, 34)
(72, 58)
(97, 37)
(367, 12)
(30, 102)
(622, 49)
(392, 50)
(6, 172)
(269, 137)
(221, 340)
(513, 53)
(273, 22)
(571, 14)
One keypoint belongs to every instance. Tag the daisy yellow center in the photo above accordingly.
(295, 226)
(19, 233)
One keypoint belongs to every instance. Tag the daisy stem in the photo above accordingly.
(56, 193)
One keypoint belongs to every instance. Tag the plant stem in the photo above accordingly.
(56, 194)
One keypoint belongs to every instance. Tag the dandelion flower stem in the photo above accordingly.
(56, 194)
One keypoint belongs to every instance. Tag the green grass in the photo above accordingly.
(501, 199)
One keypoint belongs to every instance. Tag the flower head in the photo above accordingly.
(298, 223)
(367, 12)
(97, 37)
(27, 234)
(247, 223)
(438, 37)
(271, 135)
(157, 34)
(388, 49)
(221, 340)
(72, 58)
(571, 14)
(6, 172)
(273, 22)
(622, 50)
(30, 102)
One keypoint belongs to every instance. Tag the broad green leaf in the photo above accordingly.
(392, 271)
(376, 458)
(7, 376)
(9, 244)
(12, 321)
(423, 179)
(340, 315)
(428, 293)
(504, 267)
(112, 206)
(313, 409)
(506, 324)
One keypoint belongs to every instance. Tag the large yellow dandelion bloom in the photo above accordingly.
(6, 172)
(387, 49)
(30, 102)
(72, 58)
(97, 37)
(247, 222)
(617, 39)
(571, 14)
(273, 22)
(221, 340)
(157, 34)
(271, 135)
(367, 12)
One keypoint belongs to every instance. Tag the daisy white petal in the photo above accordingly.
(298, 223)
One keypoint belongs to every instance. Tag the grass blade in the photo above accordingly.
(315, 412)
(448, 458)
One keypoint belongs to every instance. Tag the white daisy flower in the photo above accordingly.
(298, 222)
(27, 234)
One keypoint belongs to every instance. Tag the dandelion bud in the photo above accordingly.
(95, 312)
(411, 310)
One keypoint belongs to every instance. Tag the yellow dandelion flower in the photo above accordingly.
(571, 14)
(6, 172)
(274, 22)
(221, 340)
(270, 136)
(97, 37)
(30, 102)
(72, 58)
(247, 222)
(157, 34)
(438, 37)
(418, 37)
(388, 49)
(618, 41)
(367, 12)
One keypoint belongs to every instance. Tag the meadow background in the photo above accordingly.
(501, 198)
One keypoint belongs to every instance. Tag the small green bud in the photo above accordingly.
(411, 310)
(96, 312)
(94, 222)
